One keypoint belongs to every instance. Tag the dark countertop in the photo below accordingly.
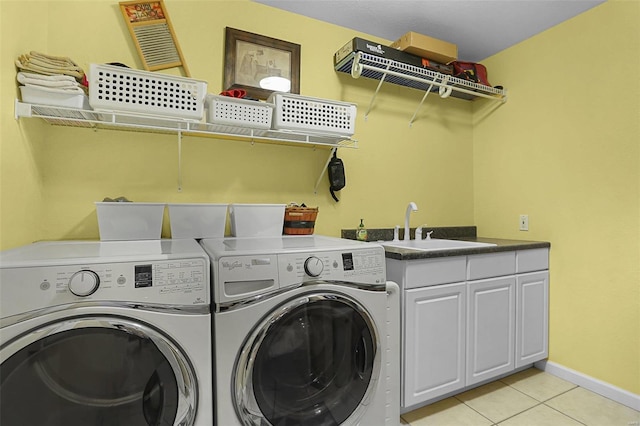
(465, 233)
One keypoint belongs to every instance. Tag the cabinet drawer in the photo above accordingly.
(532, 260)
(481, 266)
(428, 272)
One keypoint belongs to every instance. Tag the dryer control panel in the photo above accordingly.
(176, 282)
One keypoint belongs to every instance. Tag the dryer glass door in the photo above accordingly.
(91, 371)
(313, 363)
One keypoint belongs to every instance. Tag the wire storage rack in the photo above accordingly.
(76, 117)
(361, 64)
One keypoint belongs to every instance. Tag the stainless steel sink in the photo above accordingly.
(434, 244)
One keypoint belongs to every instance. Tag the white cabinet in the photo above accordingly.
(469, 319)
(532, 306)
(435, 323)
(532, 322)
(491, 315)
(490, 328)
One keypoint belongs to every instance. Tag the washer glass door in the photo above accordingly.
(95, 371)
(310, 362)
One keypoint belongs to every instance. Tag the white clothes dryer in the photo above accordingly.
(305, 332)
(105, 333)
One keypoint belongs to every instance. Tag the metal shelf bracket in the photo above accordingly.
(324, 170)
(356, 72)
(75, 117)
(179, 161)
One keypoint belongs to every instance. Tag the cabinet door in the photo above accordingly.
(491, 328)
(434, 342)
(532, 322)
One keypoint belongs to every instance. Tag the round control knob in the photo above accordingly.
(84, 283)
(313, 266)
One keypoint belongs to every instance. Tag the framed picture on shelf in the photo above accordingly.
(260, 65)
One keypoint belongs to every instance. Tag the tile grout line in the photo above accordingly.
(473, 409)
(564, 414)
(544, 402)
(538, 403)
(524, 411)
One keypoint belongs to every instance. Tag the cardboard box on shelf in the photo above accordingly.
(427, 47)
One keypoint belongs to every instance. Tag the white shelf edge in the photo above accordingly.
(76, 117)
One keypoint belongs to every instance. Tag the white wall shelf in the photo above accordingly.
(148, 123)
(76, 117)
(382, 69)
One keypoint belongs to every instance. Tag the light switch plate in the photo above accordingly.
(524, 222)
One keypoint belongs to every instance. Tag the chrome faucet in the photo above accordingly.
(410, 208)
(418, 233)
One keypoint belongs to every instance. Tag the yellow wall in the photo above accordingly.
(565, 150)
(51, 176)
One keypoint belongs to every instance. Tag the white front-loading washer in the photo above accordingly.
(305, 332)
(105, 333)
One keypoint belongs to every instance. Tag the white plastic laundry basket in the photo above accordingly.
(197, 220)
(113, 88)
(256, 220)
(130, 221)
(238, 112)
(325, 116)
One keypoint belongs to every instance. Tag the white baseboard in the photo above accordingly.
(598, 386)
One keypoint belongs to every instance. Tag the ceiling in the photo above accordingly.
(480, 28)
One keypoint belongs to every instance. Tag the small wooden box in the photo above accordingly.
(300, 220)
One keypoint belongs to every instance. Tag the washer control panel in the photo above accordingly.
(240, 276)
(362, 266)
(172, 282)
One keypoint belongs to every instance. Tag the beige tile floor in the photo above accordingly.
(528, 398)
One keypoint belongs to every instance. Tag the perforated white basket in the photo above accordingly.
(295, 112)
(113, 88)
(238, 112)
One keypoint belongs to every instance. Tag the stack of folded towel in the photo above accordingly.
(56, 83)
(49, 65)
(51, 79)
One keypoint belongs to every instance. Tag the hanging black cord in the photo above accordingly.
(333, 195)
